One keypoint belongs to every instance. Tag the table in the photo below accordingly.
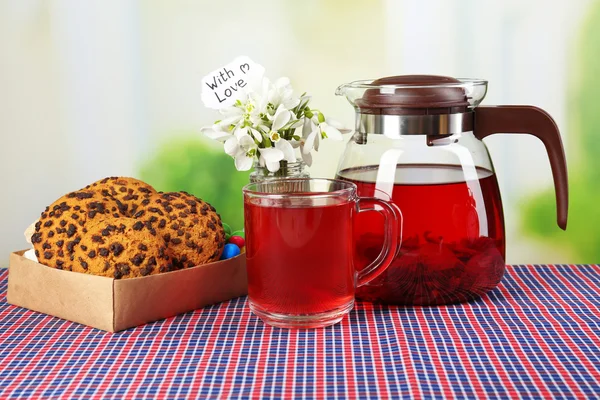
(536, 335)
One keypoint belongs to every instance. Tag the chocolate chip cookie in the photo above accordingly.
(129, 193)
(123, 228)
(190, 227)
(62, 225)
(116, 249)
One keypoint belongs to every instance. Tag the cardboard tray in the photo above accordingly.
(117, 304)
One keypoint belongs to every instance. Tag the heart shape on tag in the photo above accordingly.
(245, 66)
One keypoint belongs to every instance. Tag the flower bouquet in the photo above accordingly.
(269, 127)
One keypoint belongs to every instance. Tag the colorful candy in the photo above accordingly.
(235, 242)
(238, 241)
(238, 233)
(231, 250)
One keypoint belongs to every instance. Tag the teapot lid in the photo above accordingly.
(414, 95)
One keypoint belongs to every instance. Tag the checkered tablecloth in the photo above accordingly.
(536, 335)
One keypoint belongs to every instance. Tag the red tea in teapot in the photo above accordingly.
(453, 235)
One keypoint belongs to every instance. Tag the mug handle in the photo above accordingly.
(391, 238)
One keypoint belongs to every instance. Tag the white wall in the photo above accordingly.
(90, 88)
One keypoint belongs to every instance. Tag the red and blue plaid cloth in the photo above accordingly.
(537, 335)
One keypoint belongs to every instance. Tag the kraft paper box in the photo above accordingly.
(117, 304)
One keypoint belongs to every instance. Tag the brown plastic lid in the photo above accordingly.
(414, 94)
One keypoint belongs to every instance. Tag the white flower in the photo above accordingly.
(270, 158)
(245, 158)
(256, 135)
(242, 148)
(303, 132)
(260, 102)
(305, 100)
(307, 158)
(281, 118)
(311, 134)
(235, 111)
(232, 144)
(222, 130)
(329, 132)
(274, 136)
(216, 133)
(232, 116)
(258, 126)
(338, 125)
(281, 93)
(287, 149)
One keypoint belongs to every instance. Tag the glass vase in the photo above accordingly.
(286, 170)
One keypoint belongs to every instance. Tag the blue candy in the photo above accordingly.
(230, 251)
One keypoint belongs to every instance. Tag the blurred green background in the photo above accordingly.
(583, 235)
(200, 167)
(112, 87)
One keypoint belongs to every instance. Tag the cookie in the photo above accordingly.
(120, 248)
(123, 228)
(63, 223)
(190, 227)
(129, 193)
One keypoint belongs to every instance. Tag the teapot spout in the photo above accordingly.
(353, 90)
(341, 90)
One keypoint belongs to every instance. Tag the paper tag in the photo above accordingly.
(222, 87)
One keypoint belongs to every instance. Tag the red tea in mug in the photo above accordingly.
(300, 247)
(299, 258)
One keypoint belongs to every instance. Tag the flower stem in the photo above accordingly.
(283, 168)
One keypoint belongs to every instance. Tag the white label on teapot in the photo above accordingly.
(223, 86)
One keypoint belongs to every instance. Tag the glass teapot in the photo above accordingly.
(418, 142)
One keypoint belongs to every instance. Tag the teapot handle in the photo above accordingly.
(537, 122)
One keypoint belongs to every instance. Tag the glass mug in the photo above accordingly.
(300, 249)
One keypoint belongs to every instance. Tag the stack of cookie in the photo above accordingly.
(123, 228)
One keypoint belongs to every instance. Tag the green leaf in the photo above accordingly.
(296, 137)
(321, 117)
(302, 106)
(308, 113)
(289, 124)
